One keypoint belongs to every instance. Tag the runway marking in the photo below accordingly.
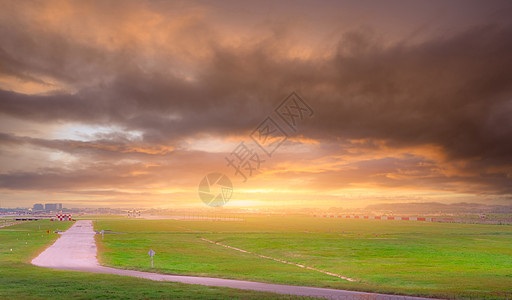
(279, 260)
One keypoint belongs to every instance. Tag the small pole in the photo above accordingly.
(151, 253)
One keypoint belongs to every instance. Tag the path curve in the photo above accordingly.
(76, 250)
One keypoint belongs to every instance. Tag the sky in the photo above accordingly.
(297, 103)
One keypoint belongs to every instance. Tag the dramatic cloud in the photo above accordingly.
(159, 94)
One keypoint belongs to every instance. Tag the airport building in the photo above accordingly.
(38, 206)
(53, 206)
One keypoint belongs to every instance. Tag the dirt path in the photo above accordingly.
(76, 250)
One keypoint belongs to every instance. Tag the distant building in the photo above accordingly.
(38, 206)
(50, 206)
(53, 206)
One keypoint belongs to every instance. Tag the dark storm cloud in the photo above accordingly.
(455, 92)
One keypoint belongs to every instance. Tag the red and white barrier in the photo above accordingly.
(61, 217)
(377, 217)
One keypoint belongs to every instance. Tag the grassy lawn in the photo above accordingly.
(416, 258)
(20, 280)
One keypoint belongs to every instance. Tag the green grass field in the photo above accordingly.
(444, 260)
(20, 280)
